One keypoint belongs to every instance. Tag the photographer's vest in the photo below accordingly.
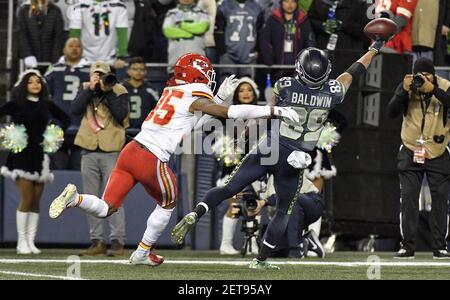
(435, 123)
(109, 139)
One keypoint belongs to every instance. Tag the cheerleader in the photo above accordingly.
(30, 107)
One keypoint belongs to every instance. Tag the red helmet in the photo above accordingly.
(194, 68)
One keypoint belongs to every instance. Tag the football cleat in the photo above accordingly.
(262, 265)
(314, 244)
(152, 259)
(65, 200)
(181, 229)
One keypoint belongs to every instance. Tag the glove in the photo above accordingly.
(299, 159)
(227, 87)
(377, 45)
(30, 62)
(331, 26)
(286, 112)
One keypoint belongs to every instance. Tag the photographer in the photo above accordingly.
(244, 207)
(104, 105)
(424, 99)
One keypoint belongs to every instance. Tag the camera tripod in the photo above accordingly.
(250, 232)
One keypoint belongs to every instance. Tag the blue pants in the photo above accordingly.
(308, 209)
(287, 181)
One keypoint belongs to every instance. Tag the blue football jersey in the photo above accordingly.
(63, 82)
(240, 23)
(312, 107)
(142, 100)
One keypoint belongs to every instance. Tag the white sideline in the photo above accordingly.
(38, 275)
(243, 262)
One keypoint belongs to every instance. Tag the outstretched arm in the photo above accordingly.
(243, 111)
(357, 69)
(360, 66)
(222, 111)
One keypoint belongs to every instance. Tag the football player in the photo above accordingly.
(312, 95)
(145, 159)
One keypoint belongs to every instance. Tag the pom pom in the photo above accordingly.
(226, 151)
(53, 138)
(329, 137)
(14, 137)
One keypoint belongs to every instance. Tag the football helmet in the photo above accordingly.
(194, 68)
(312, 67)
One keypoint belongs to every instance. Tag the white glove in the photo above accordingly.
(286, 112)
(227, 87)
(299, 159)
(30, 62)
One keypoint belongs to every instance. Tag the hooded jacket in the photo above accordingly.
(273, 36)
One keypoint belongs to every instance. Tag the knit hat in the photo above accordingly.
(423, 65)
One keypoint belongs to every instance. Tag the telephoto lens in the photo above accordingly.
(109, 79)
(418, 81)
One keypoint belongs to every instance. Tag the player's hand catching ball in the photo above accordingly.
(377, 45)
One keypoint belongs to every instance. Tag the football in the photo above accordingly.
(382, 27)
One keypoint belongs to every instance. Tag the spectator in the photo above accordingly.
(40, 33)
(185, 27)
(238, 24)
(101, 136)
(401, 12)
(102, 26)
(161, 7)
(64, 6)
(210, 7)
(30, 106)
(346, 18)
(144, 23)
(286, 32)
(425, 135)
(424, 28)
(442, 33)
(64, 79)
(142, 97)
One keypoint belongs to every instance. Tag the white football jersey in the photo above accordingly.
(98, 22)
(170, 120)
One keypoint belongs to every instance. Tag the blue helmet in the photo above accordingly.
(312, 67)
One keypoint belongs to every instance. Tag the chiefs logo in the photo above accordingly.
(200, 65)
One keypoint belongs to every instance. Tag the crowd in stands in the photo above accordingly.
(63, 38)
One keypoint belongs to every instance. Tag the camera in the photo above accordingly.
(417, 82)
(247, 203)
(108, 79)
(250, 225)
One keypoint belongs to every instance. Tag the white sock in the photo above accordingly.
(228, 229)
(93, 205)
(316, 226)
(156, 224)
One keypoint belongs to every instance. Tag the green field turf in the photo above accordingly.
(207, 265)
